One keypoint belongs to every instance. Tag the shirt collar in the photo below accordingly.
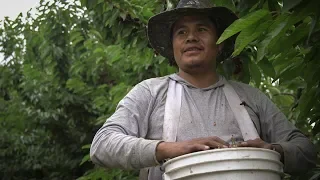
(180, 80)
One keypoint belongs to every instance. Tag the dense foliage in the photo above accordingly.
(65, 69)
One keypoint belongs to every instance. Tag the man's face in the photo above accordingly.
(194, 43)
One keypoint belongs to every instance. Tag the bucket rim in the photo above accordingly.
(280, 164)
(219, 150)
(281, 174)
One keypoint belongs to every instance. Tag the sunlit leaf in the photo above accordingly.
(86, 146)
(85, 159)
(248, 35)
(242, 23)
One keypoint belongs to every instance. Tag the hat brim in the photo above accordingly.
(159, 26)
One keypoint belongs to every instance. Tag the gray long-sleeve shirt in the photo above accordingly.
(129, 137)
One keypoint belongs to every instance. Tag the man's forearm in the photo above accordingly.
(117, 150)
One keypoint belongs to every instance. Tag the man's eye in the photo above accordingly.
(182, 32)
(202, 29)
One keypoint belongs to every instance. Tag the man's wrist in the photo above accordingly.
(160, 151)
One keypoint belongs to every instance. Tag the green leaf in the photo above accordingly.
(310, 7)
(114, 53)
(87, 146)
(242, 23)
(288, 42)
(111, 22)
(306, 102)
(77, 40)
(84, 2)
(309, 74)
(315, 176)
(290, 73)
(74, 35)
(85, 159)
(147, 13)
(134, 42)
(315, 21)
(276, 28)
(58, 52)
(126, 31)
(249, 34)
(267, 67)
(255, 73)
(274, 90)
(46, 52)
(76, 85)
(99, 51)
(284, 60)
(123, 16)
(285, 100)
(96, 34)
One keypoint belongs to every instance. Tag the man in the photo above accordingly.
(133, 137)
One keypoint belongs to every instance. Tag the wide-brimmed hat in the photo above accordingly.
(160, 25)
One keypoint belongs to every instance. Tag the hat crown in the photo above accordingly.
(195, 4)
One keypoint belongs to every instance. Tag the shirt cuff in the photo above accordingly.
(154, 155)
(286, 154)
(148, 153)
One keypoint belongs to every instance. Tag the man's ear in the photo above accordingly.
(220, 57)
(220, 47)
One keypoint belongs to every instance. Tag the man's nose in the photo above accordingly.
(192, 37)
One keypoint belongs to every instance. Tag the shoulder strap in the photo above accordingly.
(245, 123)
(172, 111)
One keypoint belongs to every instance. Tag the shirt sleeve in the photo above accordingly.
(120, 142)
(299, 153)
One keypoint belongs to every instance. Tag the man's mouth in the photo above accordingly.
(193, 49)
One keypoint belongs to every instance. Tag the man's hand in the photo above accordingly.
(167, 150)
(259, 143)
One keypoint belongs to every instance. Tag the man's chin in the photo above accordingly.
(194, 63)
(194, 66)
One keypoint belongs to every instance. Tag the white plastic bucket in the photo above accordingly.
(226, 164)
